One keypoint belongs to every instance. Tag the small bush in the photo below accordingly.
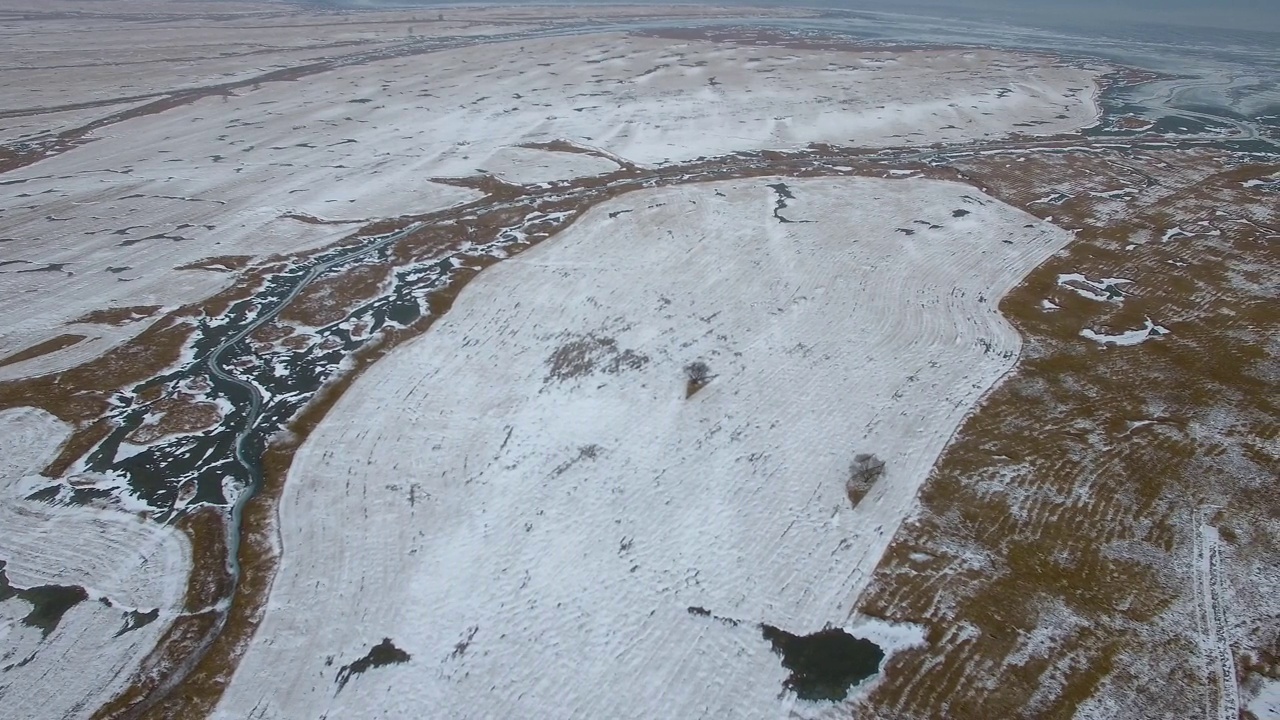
(863, 473)
(697, 375)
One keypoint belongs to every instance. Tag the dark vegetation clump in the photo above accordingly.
(380, 655)
(863, 473)
(697, 375)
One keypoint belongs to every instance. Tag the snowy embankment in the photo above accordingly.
(86, 593)
(109, 224)
(525, 506)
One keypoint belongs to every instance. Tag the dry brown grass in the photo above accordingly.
(219, 263)
(196, 628)
(79, 395)
(118, 316)
(52, 345)
(1050, 514)
(177, 414)
(331, 299)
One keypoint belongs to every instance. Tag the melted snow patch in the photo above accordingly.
(1270, 183)
(891, 637)
(1128, 337)
(1127, 193)
(1103, 290)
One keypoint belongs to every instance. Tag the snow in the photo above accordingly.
(218, 176)
(525, 502)
(1266, 704)
(1270, 183)
(1128, 337)
(119, 558)
(528, 167)
(1214, 622)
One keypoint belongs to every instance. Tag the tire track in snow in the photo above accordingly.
(1215, 625)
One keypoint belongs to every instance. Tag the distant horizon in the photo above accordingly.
(1240, 15)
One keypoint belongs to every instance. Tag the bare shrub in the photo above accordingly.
(863, 473)
(697, 374)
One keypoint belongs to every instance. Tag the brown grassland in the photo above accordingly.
(1053, 557)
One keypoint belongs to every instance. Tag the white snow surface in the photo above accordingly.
(534, 542)
(1266, 704)
(525, 166)
(132, 563)
(215, 177)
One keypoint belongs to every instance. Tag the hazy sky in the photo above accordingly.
(1255, 15)
(1262, 15)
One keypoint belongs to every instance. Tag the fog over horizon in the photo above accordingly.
(1247, 15)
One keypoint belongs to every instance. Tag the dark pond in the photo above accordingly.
(825, 664)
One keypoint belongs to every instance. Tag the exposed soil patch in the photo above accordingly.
(52, 345)
(568, 147)
(119, 316)
(177, 414)
(586, 354)
(220, 263)
(313, 220)
(784, 194)
(331, 299)
(135, 619)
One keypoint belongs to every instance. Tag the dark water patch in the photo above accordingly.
(404, 312)
(6, 590)
(135, 619)
(784, 194)
(50, 267)
(380, 655)
(208, 466)
(49, 603)
(45, 495)
(826, 664)
(959, 213)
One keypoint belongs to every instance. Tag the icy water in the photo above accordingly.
(824, 665)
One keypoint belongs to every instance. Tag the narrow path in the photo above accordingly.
(1224, 704)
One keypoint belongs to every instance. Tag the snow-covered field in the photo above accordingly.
(524, 502)
(106, 224)
(133, 573)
